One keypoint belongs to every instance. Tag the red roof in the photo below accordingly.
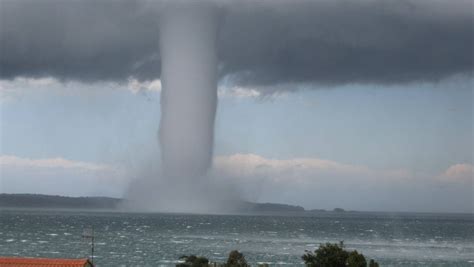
(43, 262)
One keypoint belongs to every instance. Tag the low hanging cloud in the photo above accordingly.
(10, 89)
(17, 162)
(301, 170)
(59, 176)
(319, 183)
(459, 173)
(261, 44)
(238, 92)
(136, 86)
(311, 182)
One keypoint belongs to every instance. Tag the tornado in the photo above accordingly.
(187, 39)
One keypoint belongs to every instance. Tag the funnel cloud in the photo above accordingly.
(188, 35)
(189, 97)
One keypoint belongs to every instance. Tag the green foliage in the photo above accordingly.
(236, 259)
(193, 261)
(373, 263)
(334, 255)
(329, 255)
(356, 260)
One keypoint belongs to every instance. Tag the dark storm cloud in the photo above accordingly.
(336, 42)
(83, 40)
(260, 42)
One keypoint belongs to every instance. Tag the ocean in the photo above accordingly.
(136, 239)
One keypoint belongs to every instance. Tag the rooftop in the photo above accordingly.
(43, 262)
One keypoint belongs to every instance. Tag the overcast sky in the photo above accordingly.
(363, 105)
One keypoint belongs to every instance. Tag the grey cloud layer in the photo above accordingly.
(83, 40)
(260, 43)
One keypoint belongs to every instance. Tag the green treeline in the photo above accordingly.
(327, 255)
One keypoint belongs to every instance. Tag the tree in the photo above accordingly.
(236, 259)
(356, 260)
(334, 255)
(329, 255)
(373, 263)
(193, 261)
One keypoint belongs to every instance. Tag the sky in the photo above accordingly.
(357, 147)
(339, 115)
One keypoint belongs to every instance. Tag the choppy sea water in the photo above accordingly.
(131, 239)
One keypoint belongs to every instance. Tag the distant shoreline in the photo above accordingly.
(110, 204)
(39, 201)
